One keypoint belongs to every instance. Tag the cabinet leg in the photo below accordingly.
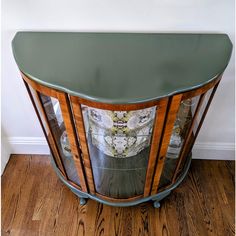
(82, 201)
(156, 204)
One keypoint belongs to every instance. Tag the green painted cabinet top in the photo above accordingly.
(121, 67)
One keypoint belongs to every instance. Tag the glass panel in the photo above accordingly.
(196, 124)
(181, 128)
(56, 123)
(202, 109)
(47, 131)
(119, 145)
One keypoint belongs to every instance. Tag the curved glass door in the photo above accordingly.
(179, 133)
(55, 121)
(119, 146)
(184, 120)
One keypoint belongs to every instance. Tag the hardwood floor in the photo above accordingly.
(35, 202)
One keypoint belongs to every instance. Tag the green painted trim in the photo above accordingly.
(157, 197)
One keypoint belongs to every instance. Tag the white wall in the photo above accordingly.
(216, 139)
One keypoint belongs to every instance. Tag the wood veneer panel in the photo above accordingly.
(79, 123)
(111, 199)
(118, 107)
(40, 88)
(68, 120)
(155, 143)
(171, 116)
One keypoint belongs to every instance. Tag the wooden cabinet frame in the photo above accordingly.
(166, 111)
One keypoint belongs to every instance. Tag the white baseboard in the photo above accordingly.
(210, 150)
(214, 151)
(29, 145)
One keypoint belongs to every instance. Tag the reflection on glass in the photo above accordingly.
(196, 123)
(202, 109)
(181, 126)
(180, 130)
(56, 123)
(119, 143)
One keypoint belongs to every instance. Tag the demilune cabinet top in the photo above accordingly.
(121, 68)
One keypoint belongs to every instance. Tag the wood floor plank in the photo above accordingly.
(35, 202)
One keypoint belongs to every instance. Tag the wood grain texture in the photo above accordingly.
(56, 130)
(119, 107)
(79, 124)
(70, 129)
(41, 93)
(155, 145)
(143, 181)
(121, 184)
(35, 202)
(170, 120)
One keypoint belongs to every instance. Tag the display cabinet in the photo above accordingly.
(121, 111)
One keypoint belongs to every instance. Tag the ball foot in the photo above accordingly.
(156, 204)
(82, 201)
